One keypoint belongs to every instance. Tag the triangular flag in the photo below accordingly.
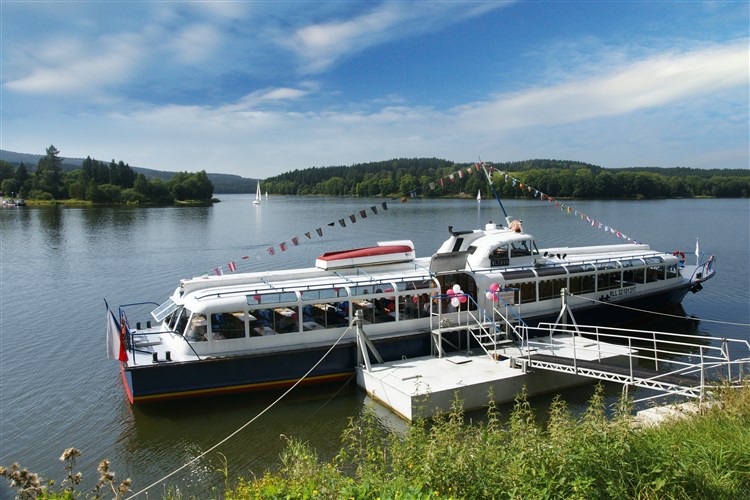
(218, 271)
(384, 205)
(374, 209)
(282, 245)
(271, 251)
(308, 235)
(342, 222)
(232, 266)
(363, 214)
(319, 231)
(352, 218)
(295, 241)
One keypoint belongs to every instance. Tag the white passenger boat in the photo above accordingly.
(265, 330)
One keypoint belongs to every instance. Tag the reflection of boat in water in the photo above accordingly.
(265, 330)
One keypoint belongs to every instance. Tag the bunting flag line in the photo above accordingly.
(516, 183)
(564, 207)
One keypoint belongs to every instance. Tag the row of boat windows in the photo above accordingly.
(588, 283)
(295, 318)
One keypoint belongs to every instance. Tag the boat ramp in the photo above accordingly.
(501, 356)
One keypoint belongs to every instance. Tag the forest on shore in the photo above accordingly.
(99, 182)
(116, 182)
(434, 178)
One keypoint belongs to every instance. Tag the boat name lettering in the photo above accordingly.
(622, 291)
(499, 261)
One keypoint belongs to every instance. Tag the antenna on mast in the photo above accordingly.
(497, 196)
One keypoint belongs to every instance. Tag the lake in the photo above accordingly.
(58, 264)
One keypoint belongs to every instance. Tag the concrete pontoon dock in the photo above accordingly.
(420, 387)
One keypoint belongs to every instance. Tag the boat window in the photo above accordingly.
(363, 290)
(197, 330)
(499, 256)
(164, 310)
(271, 298)
(582, 283)
(655, 273)
(631, 262)
(607, 281)
(633, 276)
(379, 308)
(415, 306)
(550, 289)
(330, 314)
(520, 249)
(418, 285)
(654, 260)
(323, 293)
(172, 318)
(673, 271)
(582, 268)
(514, 275)
(525, 292)
(228, 325)
(182, 321)
(606, 265)
(269, 321)
(550, 271)
(471, 250)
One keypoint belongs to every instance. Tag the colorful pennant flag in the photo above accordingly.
(232, 266)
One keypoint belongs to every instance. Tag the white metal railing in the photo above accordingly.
(670, 356)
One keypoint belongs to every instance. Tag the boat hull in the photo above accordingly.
(258, 371)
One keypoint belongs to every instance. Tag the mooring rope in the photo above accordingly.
(243, 426)
(660, 313)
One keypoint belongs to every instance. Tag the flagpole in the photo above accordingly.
(497, 196)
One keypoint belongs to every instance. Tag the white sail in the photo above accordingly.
(479, 196)
(256, 201)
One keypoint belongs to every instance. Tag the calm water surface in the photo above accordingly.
(57, 389)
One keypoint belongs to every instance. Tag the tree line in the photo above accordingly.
(99, 182)
(562, 179)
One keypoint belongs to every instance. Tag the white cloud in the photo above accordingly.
(67, 66)
(321, 45)
(643, 84)
(196, 43)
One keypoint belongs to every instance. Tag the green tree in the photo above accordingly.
(48, 175)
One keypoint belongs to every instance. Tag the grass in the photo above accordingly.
(589, 456)
(599, 454)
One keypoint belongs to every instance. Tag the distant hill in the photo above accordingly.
(223, 183)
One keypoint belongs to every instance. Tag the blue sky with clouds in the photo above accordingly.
(259, 88)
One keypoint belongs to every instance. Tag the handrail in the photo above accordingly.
(711, 353)
(477, 319)
(130, 336)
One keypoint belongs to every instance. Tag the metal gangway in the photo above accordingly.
(678, 364)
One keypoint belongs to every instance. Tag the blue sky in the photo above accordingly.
(259, 88)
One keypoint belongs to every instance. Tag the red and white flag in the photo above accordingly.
(232, 266)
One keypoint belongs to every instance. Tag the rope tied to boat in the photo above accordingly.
(246, 424)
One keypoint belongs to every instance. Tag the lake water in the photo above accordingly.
(57, 389)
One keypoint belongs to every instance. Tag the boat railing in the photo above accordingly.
(673, 363)
(565, 264)
(512, 317)
(486, 329)
(132, 334)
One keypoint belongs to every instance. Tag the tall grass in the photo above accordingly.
(587, 456)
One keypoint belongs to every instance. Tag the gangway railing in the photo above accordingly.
(671, 363)
(490, 331)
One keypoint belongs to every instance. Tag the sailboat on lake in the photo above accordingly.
(479, 196)
(256, 201)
